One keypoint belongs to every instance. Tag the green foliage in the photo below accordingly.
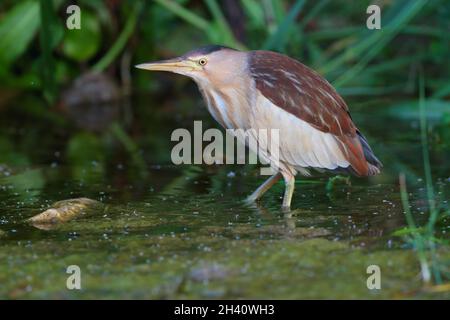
(50, 36)
(424, 238)
(369, 44)
(17, 30)
(82, 44)
(121, 41)
(278, 38)
(330, 36)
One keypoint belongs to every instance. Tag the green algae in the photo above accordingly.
(159, 268)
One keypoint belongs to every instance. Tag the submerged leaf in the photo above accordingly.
(66, 210)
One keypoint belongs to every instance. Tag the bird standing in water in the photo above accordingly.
(268, 90)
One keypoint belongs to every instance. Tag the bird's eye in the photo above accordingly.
(202, 61)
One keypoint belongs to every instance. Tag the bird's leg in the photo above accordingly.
(288, 192)
(257, 194)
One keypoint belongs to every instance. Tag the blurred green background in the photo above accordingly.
(76, 85)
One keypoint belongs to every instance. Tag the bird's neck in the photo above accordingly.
(229, 105)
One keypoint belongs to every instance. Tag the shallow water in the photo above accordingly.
(183, 231)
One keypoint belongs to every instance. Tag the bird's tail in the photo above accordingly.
(374, 164)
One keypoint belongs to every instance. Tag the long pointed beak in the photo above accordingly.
(176, 65)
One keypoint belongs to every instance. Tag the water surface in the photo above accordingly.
(171, 231)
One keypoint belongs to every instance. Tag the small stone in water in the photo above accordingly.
(66, 210)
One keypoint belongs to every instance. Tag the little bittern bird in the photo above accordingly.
(267, 90)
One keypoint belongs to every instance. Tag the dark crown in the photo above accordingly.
(206, 50)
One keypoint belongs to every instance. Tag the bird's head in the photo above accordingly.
(210, 65)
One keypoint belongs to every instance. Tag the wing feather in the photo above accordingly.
(300, 144)
(305, 94)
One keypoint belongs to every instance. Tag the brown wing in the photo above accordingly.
(302, 92)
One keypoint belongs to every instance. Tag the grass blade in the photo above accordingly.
(121, 41)
(417, 238)
(185, 14)
(434, 213)
(222, 24)
(278, 39)
(314, 11)
(375, 40)
(50, 34)
(383, 36)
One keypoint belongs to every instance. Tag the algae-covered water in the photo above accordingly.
(165, 231)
